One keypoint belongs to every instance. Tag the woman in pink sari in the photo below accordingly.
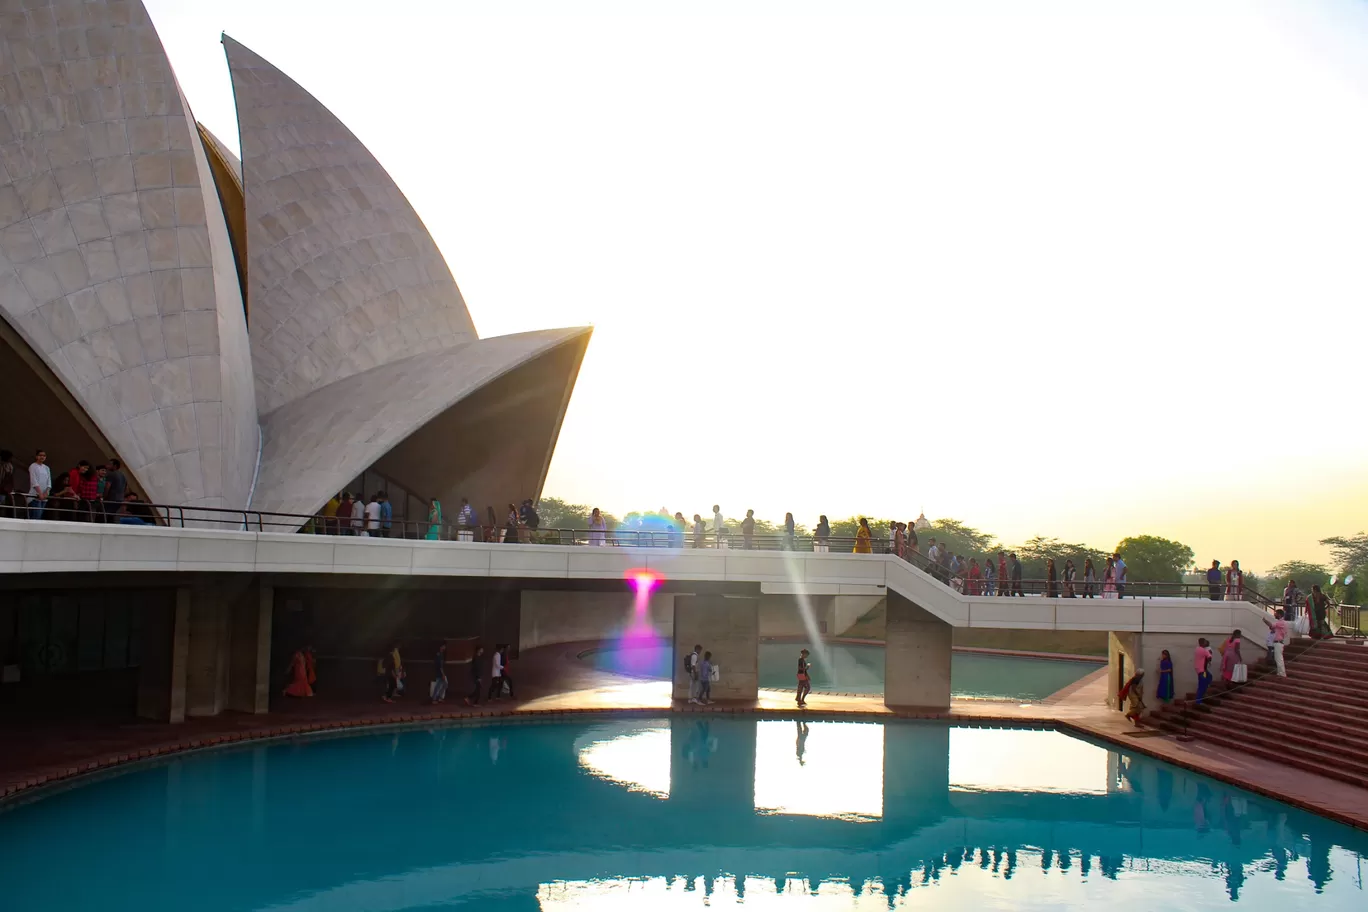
(1230, 656)
(1109, 580)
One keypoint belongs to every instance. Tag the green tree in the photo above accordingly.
(1037, 550)
(1305, 573)
(1151, 559)
(557, 514)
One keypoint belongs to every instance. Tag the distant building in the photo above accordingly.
(922, 523)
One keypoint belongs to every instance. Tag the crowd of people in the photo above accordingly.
(83, 493)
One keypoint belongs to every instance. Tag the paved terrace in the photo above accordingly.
(28, 547)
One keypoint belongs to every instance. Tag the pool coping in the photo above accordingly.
(84, 773)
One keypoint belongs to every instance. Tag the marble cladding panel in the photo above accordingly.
(115, 264)
(343, 277)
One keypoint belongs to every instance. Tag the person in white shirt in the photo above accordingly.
(358, 515)
(465, 521)
(1120, 575)
(40, 485)
(496, 673)
(372, 517)
(717, 524)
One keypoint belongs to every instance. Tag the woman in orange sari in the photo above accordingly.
(862, 536)
(310, 666)
(299, 677)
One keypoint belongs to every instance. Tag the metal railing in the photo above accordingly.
(180, 516)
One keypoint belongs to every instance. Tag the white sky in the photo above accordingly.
(1030, 265)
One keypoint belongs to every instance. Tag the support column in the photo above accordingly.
(916, 657)
(162, 676)
(249, 670)
(207, 669)
(727, 627)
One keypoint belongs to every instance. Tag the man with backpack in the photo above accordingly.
(691, 671)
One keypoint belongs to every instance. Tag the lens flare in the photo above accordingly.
(643, 581)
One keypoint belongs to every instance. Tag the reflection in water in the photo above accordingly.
(693, 811)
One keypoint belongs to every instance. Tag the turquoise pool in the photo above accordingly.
(682, 813)
(849, 668)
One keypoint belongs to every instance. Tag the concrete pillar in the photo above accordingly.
(162, 676)
(207, 669)
(727, 627)
(916, 657)
(712, 763)
(249, 669)
(916, 775)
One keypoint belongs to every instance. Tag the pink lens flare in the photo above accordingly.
(644, 581)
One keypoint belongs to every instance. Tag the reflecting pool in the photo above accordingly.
(680, 813)
(859, 669)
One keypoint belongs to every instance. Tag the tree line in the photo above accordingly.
(1149, 558)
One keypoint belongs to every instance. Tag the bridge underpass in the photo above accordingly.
(222, 594)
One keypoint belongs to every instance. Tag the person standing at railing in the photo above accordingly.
(1016, 576)
(1070, 575)
(8, 504)
(490, 532)
(1291, 597)
(1109, 580)
(371, 515)
(912, 545)
(1234, 587)
(1213, 576)
(975, 577)
(598, 529)
(358, 521)
(116, 485)
(1089, 578)
(700, 532)
(1004, 578)
(895, 538)
(40, 485)
(434, 518)
(510, 534)
(822, 537)
(386, 514)
(1051, 581)
(680, 529)
(790, 530)
(748, 531)
(717, 526)
(989, 576)
(1119, 570)
(1319, 604)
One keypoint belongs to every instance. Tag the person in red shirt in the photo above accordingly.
(86, 484)
(1002, 574)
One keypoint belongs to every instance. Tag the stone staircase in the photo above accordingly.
(1315, 719)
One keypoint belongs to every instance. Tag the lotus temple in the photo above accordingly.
(250, 333)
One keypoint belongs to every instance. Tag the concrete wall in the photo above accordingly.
(916, 656)
(161, 678)
(1128, 651)
(206, 681)
(249, 651)
(727, 627)
(567, 617)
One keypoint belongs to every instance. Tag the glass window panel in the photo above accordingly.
(116, 630)
(66, 624)
(90, 634)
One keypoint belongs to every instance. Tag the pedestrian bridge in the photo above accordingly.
(28, 547)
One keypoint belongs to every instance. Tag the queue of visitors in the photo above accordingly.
(83, 493)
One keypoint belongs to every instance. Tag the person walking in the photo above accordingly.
(748, 531)
(116, 486)
(510, 536)
(473, 698)
(705, 668)
(700, 530)
(358, 520)
(1070, 576)
(1016, 576)
(1109, 580)
(598, 529)
(490, 532)
(989, 576)
(386, 514)
(717, 526)
(465, 521)
(1319, 603)
(1051, 583)
(434, 518)
(1089, 578)
(912, 545)
(495, 673)
(8, 501)
(507, 661)
(439, 678)
(372, 517)
(1119, 571)
(1213, 576)
(1133, 695)
(1231, 659)
(862, 538)
(691, 670)
(804, 679)
(975, 577)
(1165, 689)
(1202, 665)
(394, 667)
(790, 532)
(895, 538)
(1234, 582)
(1277, 636)
(1004, 579)
(299, 677)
